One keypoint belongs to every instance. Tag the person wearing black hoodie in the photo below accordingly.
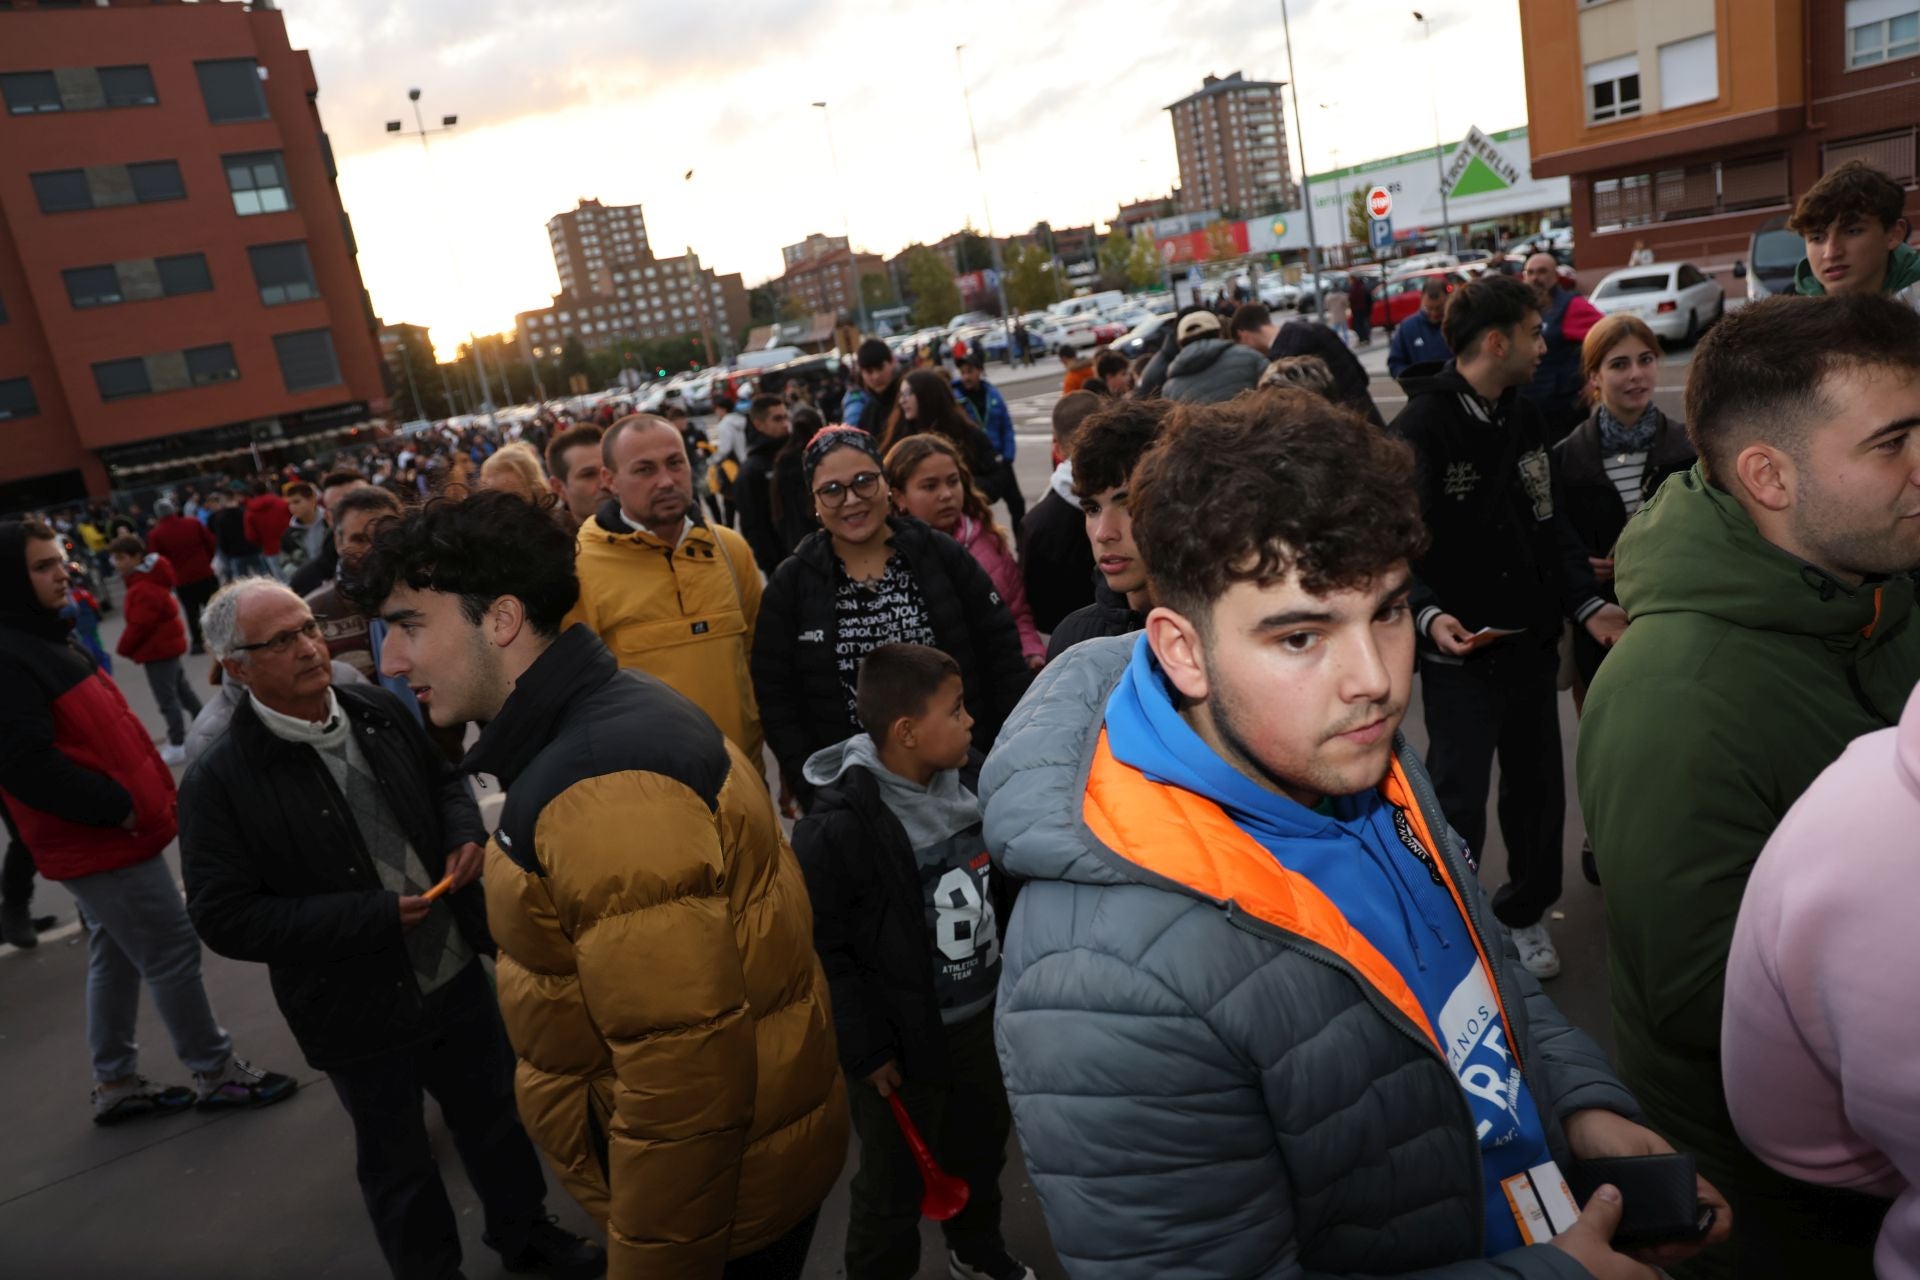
(1351, 385)
(1492, 590)
(1105, 450)
(768, 426)
(1055, 560)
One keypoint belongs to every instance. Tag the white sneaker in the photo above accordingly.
(173, 755)
(1536, 950)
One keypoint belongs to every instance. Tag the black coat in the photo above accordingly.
(276, 873)
(870, 927)
(753, 496)
(1486, 494)
(1352, 387)
(1591, 513)
(1056, 560)
(795, 520)
(796, 678)
(1108, 615)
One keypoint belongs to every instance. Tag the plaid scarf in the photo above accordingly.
(1638, 438)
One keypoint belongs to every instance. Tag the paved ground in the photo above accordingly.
(273, 1194)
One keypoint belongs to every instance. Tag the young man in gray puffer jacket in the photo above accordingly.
(1255, 1016)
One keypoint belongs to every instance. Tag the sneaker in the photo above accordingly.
(1536, 950)
(137, 1096)
(173, 753)
(999, 1266)
(241, 1085)
(551, 1248)
(16, 925)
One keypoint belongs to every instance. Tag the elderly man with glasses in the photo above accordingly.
(324, 835)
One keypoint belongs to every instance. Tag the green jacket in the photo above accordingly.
(1745, 673)
(1902, 283)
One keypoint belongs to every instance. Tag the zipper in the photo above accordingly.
(1396, 1019)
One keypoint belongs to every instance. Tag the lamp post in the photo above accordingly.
(846, 222)
(1306, 183)
(421, 131)
(1433, 98)
(993, 241)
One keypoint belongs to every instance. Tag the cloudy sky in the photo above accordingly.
(617, 99)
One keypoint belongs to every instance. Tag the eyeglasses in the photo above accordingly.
(834, 493)
(277, 645)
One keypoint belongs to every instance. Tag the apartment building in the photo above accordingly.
(1231, 139)
(591, 242)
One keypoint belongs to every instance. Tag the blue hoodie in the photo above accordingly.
(1359, 850)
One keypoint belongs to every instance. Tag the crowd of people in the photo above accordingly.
(837, 804)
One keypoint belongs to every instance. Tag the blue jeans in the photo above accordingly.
(137, 928)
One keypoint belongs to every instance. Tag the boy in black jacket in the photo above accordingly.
(906, 922)
(1491, 593)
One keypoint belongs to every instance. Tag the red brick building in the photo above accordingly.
(179, 286)
(1687, 124)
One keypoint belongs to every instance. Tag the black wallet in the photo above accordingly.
(1658, 1196)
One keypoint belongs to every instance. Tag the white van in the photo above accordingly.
(1090, 305)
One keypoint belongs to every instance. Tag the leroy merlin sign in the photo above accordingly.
(1478, 167)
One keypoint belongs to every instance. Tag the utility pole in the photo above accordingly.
(846, 222)
(1439, 158)
(1306, 183)
(993, 241)
(421, 131)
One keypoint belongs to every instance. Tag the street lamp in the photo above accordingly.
(421, 131)
(993, 242)
(1306, 183)
(846, 223)
(1433, 98)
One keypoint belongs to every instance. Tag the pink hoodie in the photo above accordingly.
(994, 557)
(1820, 1038)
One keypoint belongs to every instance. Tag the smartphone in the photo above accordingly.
(1658, 1196)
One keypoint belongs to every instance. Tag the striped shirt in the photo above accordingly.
(1624, 471)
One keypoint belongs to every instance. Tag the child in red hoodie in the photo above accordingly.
(156, 637)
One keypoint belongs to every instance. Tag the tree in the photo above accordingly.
(1220, 241)
(763, 303)
(791, 308)
(1359, 229)
(573, 357)
(936, 298)
(972, 252)
(1031, 280)
(1144, 265)
(419, 382)
(1112, 258)
(876, 290)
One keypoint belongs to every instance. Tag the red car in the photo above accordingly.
(1401, 297)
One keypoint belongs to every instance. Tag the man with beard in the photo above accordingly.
(667, 592)
(1771, 602)
(1247, 940)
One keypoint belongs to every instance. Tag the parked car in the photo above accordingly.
(1401, 297)
(1772, 255)
(1145, 338)
(1676, 299)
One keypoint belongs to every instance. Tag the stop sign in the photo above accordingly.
(1379, 202)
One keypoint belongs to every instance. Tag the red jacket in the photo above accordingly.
(154, 630)
(74, 760)
(267, 519)
(187, 544)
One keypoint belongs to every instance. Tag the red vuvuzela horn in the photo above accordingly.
(944, 1195)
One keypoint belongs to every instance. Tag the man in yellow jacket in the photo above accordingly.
(668, 593)
(657, 973)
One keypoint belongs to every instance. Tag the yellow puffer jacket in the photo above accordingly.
(656, 969)
(684, 614)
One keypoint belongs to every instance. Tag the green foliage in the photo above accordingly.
(930, 285)
(1358, 219)
(876, 289)
(1112, 258)
(1031, 280)
(972, 252)
(763, 304)
(573, 357)
(1144, 266)
(791, 308)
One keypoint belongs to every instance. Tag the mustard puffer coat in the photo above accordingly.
(656, 970)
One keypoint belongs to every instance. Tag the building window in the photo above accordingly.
(137, 279)
(212, 364)
(118, 379)
(183, 273)
(306, 359)
(16, 399)
(1693, 191)
(231, 88)
(156, 180)
(93, 286)
(258, 181)
(1881, 31)
(1613, 88)
(283, 272)
(105, 185)
(77, 89)
(1689, 72)
(1890, 153)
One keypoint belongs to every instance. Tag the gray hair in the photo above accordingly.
(220, 621)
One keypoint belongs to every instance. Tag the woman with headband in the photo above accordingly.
(864, 579)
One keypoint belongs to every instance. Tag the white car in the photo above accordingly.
(1676, 299)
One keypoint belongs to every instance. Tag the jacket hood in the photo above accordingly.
(1197, 356)
(929, 814)
(155, 568)
(20, 605)
(1694, 549)
(1061, 482)
(1903, 271)
(1444, 378)
(573, 667)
